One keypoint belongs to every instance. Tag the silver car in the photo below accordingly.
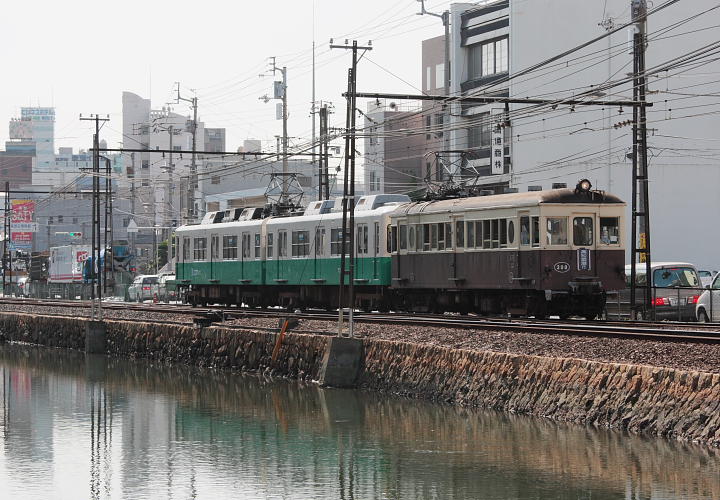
(142, 287)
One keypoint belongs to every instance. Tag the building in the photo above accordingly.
(518, 146)
(393, 156)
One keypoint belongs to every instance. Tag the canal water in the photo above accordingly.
(76, 427)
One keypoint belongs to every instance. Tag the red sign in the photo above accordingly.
(82, 256)
(22, 211)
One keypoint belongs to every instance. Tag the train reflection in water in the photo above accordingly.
(118, 428)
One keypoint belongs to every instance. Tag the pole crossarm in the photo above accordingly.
(181, 151)
(493, 99)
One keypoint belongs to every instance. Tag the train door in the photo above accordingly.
(584, 242)
(214, 256)
(282, 251)
(319, 252)
(376, 251)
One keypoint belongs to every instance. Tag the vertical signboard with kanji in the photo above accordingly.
(497, 151)
(22, 215)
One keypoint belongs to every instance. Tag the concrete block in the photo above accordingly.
(95, 337)
(341, 362)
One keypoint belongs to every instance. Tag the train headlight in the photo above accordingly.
(584, 186)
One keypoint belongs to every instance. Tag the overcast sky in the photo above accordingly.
(79, 56)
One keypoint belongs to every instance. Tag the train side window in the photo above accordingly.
(336, 241)
(229, 247)
(388, 239)
(319, 240)
(503, 233)
(459, 234)
(301, 243)
(556, 233)
(393, 238)
(403, 236)
(186, 249)
(377, 238)
(199, 249)
(214, 247)
(282, 243)
(418, 237)
(610, 230)
(487, 234)
(269, 245)
(583, 231)
(448, 236)
(426, 237)
(257, 245)
(536, 231)
(365, 238)
(433, 236)
(524, 230)
(362, 240)
(511, 231)
(441, 236)
(246, 245)
(470, 234)
(495, 223)
(411, 237)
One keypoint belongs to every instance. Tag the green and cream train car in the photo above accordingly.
(293, 261)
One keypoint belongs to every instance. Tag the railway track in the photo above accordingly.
(655, 331)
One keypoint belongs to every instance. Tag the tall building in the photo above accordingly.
(494, 42)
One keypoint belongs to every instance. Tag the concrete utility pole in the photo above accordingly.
(6, 236)
(96, 275)
(348, 200)
(132, 203)
(445, 16)
(640, 188)
(193, 183)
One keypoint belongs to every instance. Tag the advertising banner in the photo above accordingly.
(22, 213)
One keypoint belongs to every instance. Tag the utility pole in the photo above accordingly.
(323, 172)
(7, 234)
(132, 203)
(108, 219)
(96, 275)
(348, 225)
(280, 92)
(445, 17)
(190, 209)
(640, 189)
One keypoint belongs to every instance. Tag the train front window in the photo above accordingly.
(583, 231)
(610, 230)
(556, 233)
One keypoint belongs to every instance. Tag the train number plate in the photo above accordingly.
(561, 267)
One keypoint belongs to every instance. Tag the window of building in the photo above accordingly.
(282, 243)
(610, 230)
(488, 58)
(199, 249)
(60, 219)
(215, 179)
(556, 232)
(229, 247)
(440, 76)
(300, 243)
(480, 136)
(176, 148)
(428, 78)
(428, 126)
(439, 121)
(146, 164)
(583, 231)
(145, 183)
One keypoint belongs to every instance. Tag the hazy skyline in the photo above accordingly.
(80, 60)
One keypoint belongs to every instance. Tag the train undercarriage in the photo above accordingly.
(587, 302)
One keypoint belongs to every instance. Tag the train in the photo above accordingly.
(539, 253)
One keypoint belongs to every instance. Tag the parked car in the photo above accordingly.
(676, 291)
(708, 305)
(141, 287)
(165, 289)
(706, 277)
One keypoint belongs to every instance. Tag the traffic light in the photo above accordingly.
(75, 234)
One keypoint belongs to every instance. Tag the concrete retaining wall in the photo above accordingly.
(658, 401)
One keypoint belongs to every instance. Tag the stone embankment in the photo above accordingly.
(675, 403)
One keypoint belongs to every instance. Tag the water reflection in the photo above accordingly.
(92, 427)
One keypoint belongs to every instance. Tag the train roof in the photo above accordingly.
(510, 200)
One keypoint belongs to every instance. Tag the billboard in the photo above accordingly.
(38, 114)
(21, 129)
(22, 216)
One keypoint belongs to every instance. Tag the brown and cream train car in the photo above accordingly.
(538, 253)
